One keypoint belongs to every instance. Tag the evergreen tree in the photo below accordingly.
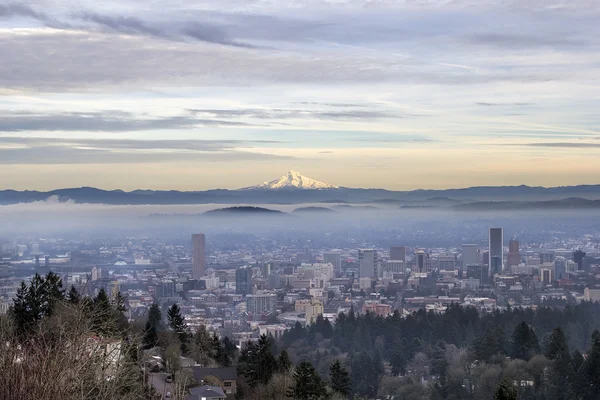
(284, 364)
(524, 342)
(35, 301)
(102, 314)
(218, 352)
(257, 362)
(591, 370)
(307, 383)
(560, 374)
(153, 326)
(505, 391)
(73, 296)
(177, 323)
(339, 379)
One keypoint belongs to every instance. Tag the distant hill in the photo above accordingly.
(354, 207)
(295, 195)
(562, 204)
(314, 210)
(242, 211)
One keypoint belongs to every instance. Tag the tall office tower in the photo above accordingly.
(243, 280)
(470, 256)
(496, 261)
(398, 253)
(560, 268)
(257, 304)
(578, 257)
(446, 263)
(547, 257)
(334, 258)
(394, 266)
(422, 261)
(198, 256)
(368, 263)
(514, 254)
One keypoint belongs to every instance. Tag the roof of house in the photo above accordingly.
(209, 392)
(225, 374)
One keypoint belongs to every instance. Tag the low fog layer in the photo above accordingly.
(343, 226)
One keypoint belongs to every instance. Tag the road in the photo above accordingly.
(157, 380)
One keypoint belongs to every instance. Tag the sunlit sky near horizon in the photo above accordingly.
(194, 95)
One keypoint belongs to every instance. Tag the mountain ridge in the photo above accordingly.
(302, 196)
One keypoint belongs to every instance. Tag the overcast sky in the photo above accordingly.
(196, 95)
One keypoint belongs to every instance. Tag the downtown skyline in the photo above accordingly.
(370, 94)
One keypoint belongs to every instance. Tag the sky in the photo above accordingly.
(203, 94)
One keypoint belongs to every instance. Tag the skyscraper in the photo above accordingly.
(578, 257)
(198, 256)
(470, 256)
(334, 257)
(422, 261)
(496, 261)
(243, 280)
(367, 261)
(398, 253)
(514, 254)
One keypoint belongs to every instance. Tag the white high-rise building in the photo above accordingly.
(368, 263)
(395, 266)
(264, 303)
(334, 258)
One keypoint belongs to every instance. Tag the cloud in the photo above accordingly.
(490, 104)
(280, 113)
(509, 40)
(107, 121)
(20, 150)
(574, 145)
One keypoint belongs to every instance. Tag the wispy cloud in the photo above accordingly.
(108, 121)
(22, 150)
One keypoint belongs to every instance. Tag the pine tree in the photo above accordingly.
(177, 323)
(560, 374)
(339, 379)
(505, 391)
(284, 364)
(307, 383)
(73, 296)
(153, 326)
(102, 314)
(524, 342)
(36, 301)
(591, 370)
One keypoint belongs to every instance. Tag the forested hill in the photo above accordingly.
(455, 346)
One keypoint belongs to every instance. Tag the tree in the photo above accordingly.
(365, 371)
(524, 342)
(177, 323)
(153, 326)
(73, 296)
(218, 352)
(257, 362)
(560, 375)
(339, 379)
(307, 383)
(284, 364)
(36, 301)
(505, 391)
(591, 370)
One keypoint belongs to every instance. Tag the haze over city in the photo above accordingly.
(196, 95)
(300, 200)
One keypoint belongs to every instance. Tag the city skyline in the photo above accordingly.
(192, 96)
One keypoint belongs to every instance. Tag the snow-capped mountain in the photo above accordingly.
(293, 180)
